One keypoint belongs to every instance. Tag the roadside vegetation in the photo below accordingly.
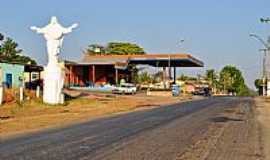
(115, 48)
(10, 53)
(228, 81)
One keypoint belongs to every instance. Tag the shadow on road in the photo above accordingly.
(223, 119)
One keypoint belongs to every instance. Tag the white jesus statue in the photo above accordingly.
(54, 74)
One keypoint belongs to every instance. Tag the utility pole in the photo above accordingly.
(264, 77)
(267, 81)
(266, 51)
(175, 68)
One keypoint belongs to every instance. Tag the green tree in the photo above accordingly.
(121, 48)
(134, 73)
(9, 52)
(9, 48)
(212, 78)
(115, 48)
(232, 81)
(245, 91)
(258, 83)
(145, 77)
(186, 78)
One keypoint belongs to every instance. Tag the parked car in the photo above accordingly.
(125, 88)
(202, 92)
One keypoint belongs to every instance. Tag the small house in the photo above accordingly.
(14, 75)
(11, 75)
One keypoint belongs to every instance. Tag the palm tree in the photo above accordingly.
(212, 77)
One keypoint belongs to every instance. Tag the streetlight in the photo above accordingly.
(181, 42)
(265, 20)
(261, 40)
(264, 71)
(264, 61)
(265, 50)
(174, 68)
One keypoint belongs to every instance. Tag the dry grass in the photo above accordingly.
(33, 115)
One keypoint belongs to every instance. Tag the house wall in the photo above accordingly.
(34, 76)
(74, 75)
(15, 70)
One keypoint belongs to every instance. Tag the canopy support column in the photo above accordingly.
(94, 74)
(164, 77)
(174, 75)
(116, 76)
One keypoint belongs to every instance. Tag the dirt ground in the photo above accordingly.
(33, 115)
(263, 108)
(217, 128)
(233, 135)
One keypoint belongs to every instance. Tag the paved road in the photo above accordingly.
(216, 128)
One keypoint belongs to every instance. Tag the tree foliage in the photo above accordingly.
(120, 48)
(145, 77)
(10, 53)
(232, 81)
(258, 83)
(115, 48)
(186, 78)
(211, 76)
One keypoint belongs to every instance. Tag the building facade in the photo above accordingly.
(110, 69)
(16, 75)
(11, 75)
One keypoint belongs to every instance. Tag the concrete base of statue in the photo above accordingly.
(53, 84)
(268, 89)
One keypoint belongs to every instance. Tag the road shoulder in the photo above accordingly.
(233, 134)
(32, 116)
(263, 116)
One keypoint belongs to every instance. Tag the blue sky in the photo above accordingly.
(215, 31)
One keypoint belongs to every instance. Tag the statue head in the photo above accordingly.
(54, 20)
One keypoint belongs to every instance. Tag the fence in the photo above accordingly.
(17, 94)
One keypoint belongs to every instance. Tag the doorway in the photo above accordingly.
(9, 80)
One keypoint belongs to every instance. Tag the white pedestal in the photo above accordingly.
(21, 94)
(53, 84)
(268, 89)
(38, 92)
(1, 94)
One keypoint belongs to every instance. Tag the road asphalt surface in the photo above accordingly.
(221, 128)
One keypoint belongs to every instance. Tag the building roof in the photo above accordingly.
(33, 68)
(27, 67)
(156, 60)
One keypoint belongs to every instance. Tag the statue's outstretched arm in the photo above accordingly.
(36, 29)
(69, 29)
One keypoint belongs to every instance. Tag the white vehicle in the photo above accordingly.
(125, 88)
